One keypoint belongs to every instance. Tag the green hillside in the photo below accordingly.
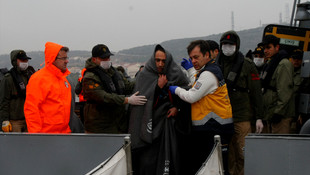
(249, 40)
(177, 47)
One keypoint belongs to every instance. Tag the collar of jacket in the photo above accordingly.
(54, 70)
(91, 65)
(271, 66)
(236, 62)
(202, 68)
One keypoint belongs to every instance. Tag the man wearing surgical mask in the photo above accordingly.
(105, 91)
(13, 93)
(258, 58)
(244, 89)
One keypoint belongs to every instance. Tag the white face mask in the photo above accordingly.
(258, 61)
(228, 49)
(105, 64)
(23, 66)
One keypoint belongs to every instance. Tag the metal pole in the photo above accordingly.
(217, 139)
(295, 21)
(127, 148)
(293, 13)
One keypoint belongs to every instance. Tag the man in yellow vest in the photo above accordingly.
(211, 109)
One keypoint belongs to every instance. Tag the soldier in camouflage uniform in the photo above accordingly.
(104, 90)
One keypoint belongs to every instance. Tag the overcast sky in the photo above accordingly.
(123, 24)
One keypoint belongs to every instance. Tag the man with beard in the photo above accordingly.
(158, 124)
(245, 95)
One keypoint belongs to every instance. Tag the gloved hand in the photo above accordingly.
(276, 118)
(259, 126)
(172, 89)
(134, 99)
(187, 64)
(6, 126)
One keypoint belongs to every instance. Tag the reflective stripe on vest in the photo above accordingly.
(215, 117)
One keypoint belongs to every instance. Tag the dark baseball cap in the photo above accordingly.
(259, 50)
(297, 54)
(101, 50)
(229, 38)
(22, 55)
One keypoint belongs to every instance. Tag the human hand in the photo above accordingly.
(187, 64)
(134, 99)
(172, 112)
(259, 126)
(172, 89)
(162, 81)
(6, 126)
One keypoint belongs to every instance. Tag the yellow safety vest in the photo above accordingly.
(216, 106)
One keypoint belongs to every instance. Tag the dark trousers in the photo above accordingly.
(144, 160)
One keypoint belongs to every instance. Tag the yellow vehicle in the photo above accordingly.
(291, 38)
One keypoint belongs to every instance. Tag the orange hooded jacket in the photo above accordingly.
(48, 97)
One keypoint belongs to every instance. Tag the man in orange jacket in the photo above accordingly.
(48, 94)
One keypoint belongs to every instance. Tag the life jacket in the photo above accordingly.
(214, 106)
(114, 84)
(80, 81)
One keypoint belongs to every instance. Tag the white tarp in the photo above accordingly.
(111, 166)
(213, 166)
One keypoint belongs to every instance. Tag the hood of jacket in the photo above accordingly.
(13, 57)
(231, 32)
(51, 52)
(89, 64)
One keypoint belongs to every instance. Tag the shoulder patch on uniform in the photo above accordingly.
(255, 76)
(197, 85)
(93, 85)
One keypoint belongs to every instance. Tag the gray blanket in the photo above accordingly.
(141, 125)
